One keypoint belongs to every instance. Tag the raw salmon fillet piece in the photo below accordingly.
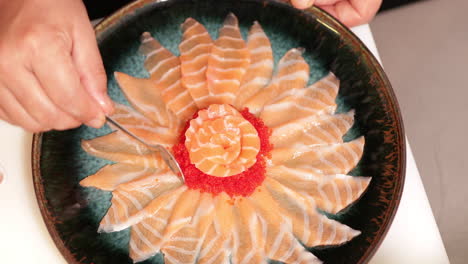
(259, 72)
(143, 127)
(331, 193)
(184, 246)
(292, 73)
(312, 228)
(317, 99)
(217, 245)
(327, 159)
(313, 130)
(146, 236)
(135, 200)
(118, 147)
(111, 176)
(164, 69)
(248, 240)
(146, 99)
(281, 245)
(228, 62)
(195, 49)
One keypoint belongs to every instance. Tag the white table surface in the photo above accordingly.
(412, 238)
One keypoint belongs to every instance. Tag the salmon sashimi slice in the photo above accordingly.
(332, 193)
(224, 218)
(180, 205)
(228, 62)
(248, 239)
(164, 69)
(221, 142)
(119, 147)
(310, 227)
(292, 74)
(214, 248)
(261, 65)
(143, 127)
(182, 212)
(195, 49)
(280, 243)
(111, 176)
(217, 245)
(316, 99)
(313, 130)
(328, 159)
(184, 245)
(130, 200)
(146, 99)
(146, 237)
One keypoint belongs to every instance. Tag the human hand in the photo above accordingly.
(349, 12)
(51, 72)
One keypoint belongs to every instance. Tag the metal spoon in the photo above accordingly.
(165, 154)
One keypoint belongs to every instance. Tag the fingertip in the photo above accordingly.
(98, 91)
(97, 88)
(97, 122)
(302, 4)
(110, 106)
(106, 104)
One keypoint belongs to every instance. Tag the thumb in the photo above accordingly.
(89, 64)
(302, 4)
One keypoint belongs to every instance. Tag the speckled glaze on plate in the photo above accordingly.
(72, 213)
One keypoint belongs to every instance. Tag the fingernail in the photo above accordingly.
(97, 122)
(106, 104)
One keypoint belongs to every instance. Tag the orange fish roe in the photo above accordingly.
(242, 184)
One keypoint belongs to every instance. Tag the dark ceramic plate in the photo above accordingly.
(72, 213)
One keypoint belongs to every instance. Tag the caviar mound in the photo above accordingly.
(241, 184)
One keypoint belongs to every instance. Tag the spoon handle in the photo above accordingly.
(165, 154)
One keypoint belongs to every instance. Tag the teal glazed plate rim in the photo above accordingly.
(72, 213)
